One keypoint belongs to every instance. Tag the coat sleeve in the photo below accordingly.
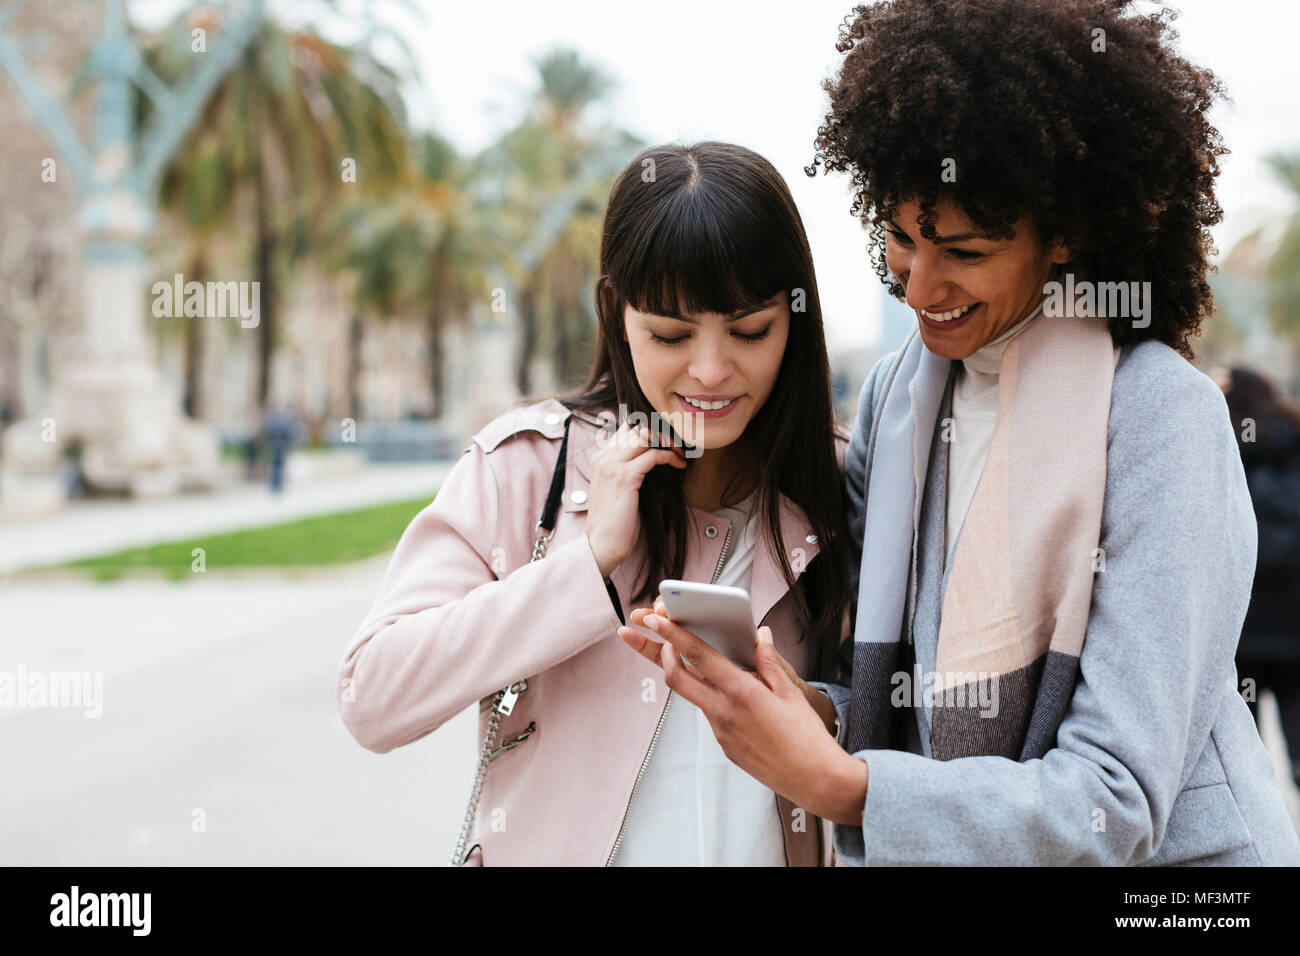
(855, 514)
(1178, 538)
(444, 632)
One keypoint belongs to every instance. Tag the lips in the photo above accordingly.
(717, 407)
(950, 314)
(957, 319)
(709, 402)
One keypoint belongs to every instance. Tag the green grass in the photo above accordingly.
(308, 542)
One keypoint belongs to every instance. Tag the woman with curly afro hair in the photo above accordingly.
(1055, 534)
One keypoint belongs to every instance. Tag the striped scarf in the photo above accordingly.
(1015, 608)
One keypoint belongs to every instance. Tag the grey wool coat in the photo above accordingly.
(1157, 760)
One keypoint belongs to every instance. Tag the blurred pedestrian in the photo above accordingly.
(1268, 435)
(281, 432)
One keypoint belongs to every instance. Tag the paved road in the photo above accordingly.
(218, 695)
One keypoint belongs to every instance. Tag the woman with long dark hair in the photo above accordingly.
(703, 448)
(1056, 536)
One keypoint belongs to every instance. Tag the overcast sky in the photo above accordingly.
(750, 73)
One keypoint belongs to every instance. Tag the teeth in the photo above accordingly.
(950, 315)
(707, 406)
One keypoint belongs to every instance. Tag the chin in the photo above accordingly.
(946, 347)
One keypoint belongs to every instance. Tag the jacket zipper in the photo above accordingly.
(514, 741)
(668, 702)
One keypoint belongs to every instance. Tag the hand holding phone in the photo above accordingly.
(718, 615)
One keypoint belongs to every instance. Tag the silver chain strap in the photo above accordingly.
(503, 702)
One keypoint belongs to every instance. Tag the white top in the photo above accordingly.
(974, 414)
(694, 807)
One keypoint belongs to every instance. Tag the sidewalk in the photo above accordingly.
(88, 528)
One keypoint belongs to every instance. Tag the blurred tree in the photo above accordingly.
(422, 252)
(553, 173)
(301, 125)
(1283, 271)
(1257, 291)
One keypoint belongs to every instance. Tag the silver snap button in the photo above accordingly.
(552, 419)
(811, 539)
(578, 497)
(711, 531)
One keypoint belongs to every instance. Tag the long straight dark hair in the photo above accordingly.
(713, 228)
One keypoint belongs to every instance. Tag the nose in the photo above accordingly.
(710, 366)
(926, 284)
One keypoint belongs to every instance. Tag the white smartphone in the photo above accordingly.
(718, 615)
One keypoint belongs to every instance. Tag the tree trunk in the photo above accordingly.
(355, 331)
(263, 268)
(263, 254)
(436, 327)
(437, 358)
(568, 322)
(193, 335)
(527, 340)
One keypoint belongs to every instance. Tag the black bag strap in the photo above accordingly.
(556, 494)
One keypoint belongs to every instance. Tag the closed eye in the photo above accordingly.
(754, 337)
(663, 341)
(964, 255)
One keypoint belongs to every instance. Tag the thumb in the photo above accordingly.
(769, 662)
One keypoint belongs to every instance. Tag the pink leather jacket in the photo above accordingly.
(462, 613)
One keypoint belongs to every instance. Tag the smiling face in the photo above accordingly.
(966, 288)
(708, 373)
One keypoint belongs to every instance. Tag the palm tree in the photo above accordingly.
(553, 172)
(424, 251)
(274, 147)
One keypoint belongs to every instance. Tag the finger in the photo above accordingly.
(772, 668)
(685, 682)
(624, 443)
(707, 662)
(638, 617)
(661, 441)
(650, 458)
(647, 648)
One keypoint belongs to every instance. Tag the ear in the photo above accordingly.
(1061, 251)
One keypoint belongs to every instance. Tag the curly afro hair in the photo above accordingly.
(1077, 113)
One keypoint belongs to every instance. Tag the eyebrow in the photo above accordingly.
(938, 240)
(735, 316)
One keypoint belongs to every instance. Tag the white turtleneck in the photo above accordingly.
(974, 414)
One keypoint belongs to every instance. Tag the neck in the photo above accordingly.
(987, 359)
(711, 473)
